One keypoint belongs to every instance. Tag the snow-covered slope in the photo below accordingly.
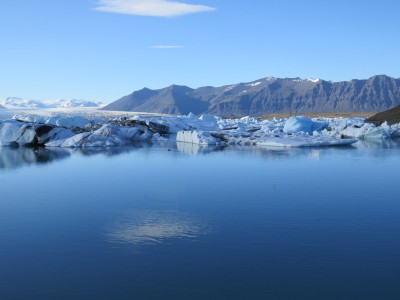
(19, 103)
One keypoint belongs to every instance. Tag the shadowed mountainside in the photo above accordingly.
(268, 96)
(392, 116)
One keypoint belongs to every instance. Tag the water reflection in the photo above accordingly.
(378, 143)
(195, 149)
(13, 158)
(153, 227)
(112, 151)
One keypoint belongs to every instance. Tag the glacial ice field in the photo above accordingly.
(94, 128)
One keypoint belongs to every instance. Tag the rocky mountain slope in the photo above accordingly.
(266, 96)
(391, 116)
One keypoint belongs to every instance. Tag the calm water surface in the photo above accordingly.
(189, 223)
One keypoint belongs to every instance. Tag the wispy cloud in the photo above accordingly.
(154, 8)
(166, 47)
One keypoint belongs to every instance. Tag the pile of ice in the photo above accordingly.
(69, 132)
(106, 136)
(84, 131)
(293, 132)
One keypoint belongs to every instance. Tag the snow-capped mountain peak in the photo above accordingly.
(20, 103)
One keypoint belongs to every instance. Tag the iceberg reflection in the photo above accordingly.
(17, 157)
(153, 227)
(196, 149)
(13, 158)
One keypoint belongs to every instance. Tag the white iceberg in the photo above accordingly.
(368, 131)
(197, 137)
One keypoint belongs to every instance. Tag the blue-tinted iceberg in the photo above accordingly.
(300, 123)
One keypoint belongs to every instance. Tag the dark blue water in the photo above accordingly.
(188, 223)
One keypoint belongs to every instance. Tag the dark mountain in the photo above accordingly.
(267, 96)
(392, 116)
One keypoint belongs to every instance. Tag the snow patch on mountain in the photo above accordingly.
(231, 87)
(253, 84)
(313, 80)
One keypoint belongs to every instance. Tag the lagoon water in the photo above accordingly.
(156, 222)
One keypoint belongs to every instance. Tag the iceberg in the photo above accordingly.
(14, 133)
(107, 135)
(300, 123)
(82, 130)
(368, 131)
(198, 137)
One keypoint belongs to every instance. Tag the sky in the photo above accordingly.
(101, 50)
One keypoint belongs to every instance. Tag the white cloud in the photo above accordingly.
(154, 8)
(166, 47)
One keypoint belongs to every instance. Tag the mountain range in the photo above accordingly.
(268, 96)
(20, 103)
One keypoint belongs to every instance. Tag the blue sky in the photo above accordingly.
(102, 50)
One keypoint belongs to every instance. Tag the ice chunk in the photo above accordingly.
(107, 135)
(20, 133)
(16, 133)
(395, 130)
(368, 131)
(208, 122)
(300, 123)
(197, 137)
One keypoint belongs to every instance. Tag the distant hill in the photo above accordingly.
(2, 107)
(19, 103)
(267, 96)
(391, 116)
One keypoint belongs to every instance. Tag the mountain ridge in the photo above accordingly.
(267, 96)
